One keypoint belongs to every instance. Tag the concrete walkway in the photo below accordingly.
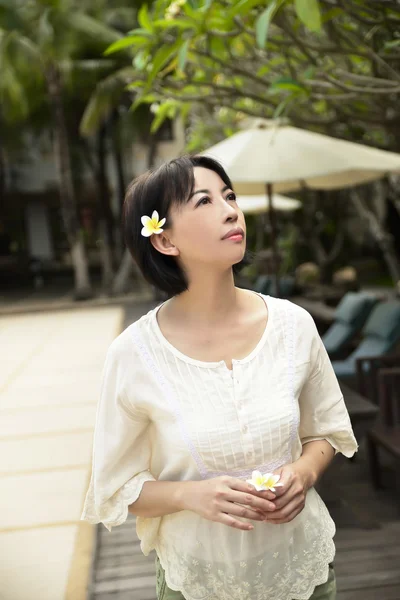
(49, 386)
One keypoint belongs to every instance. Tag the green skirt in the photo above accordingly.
(326, 591)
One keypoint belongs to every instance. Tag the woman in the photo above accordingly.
(214, 384)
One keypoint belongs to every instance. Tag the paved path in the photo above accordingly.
(49, 386)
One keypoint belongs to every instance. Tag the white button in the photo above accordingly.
(240, 405)
(245, 429)
(249, 454)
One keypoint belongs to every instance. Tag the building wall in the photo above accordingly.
(166, 150)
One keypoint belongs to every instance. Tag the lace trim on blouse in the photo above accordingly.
(114, 511)
(271, 576)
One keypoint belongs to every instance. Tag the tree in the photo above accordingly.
(329, 65)
(49, 34)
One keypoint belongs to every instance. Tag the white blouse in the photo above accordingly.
(165, 416)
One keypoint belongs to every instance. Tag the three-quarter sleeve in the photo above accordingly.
(121, 450)
(323, 413)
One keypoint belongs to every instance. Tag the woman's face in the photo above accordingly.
(200, 228)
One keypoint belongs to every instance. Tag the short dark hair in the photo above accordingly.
(171, 184)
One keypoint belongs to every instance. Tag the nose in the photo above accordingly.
(231, 213)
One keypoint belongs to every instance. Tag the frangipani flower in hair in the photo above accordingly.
(152, 225)
(262, 483)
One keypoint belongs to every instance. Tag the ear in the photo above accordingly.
(163, 244)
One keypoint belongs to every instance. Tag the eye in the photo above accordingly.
(203, 201)
(231, 197)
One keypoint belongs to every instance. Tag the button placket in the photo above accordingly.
(247, 442)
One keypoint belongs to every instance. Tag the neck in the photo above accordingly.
(209, 297)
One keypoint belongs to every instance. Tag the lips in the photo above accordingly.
(237, 233)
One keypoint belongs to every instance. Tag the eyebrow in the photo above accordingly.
(208, 191)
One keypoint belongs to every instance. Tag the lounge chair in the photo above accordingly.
(385, 433)
(350, 316)
(381, 334)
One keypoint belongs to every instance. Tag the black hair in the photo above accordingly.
(171, 184)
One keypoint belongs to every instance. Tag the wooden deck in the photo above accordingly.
(367, 561)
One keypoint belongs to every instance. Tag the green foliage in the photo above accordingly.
(262, 24)
(309, 13)
(318, 64)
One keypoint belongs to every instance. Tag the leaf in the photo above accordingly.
(217, 46)
(45, 28)
(180, 23)
(92, 28)
(263, 70)
(140, 60)
(126, 42)
(161, 57)
(309, 13)
(144, 19)
(167, 109)
(309, 73)
(262, 24)
(145, 99)
(392, 44)
(332, 13)
(182, 55)
(207, 5)
(282, 106)
(286, 83)
(243, 7)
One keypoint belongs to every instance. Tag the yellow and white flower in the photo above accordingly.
(262, 483)
(152, 225)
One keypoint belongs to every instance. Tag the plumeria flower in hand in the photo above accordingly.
(262, 483)
(152, 225)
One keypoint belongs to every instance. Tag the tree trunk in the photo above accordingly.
(3, 175)
(2, 182)
(78, 255)
(107, 221)
(127, 265)
(67, 196)
(118, 160)
(121, 181)
(382, 238)
(126, 268)
(106, 257)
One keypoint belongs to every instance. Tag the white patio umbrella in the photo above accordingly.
(259, 204)
(271, 156)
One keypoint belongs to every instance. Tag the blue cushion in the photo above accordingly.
(372, 346)
(354, 308)
(337, 336)
(350, 316)
(384, 322)
(344, 369)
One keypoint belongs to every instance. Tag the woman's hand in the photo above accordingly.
(291, 496)
(224, 499)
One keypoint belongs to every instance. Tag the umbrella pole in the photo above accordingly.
(274, 245)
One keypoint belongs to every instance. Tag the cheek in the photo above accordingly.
(196, 232)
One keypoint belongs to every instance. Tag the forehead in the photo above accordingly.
(206, 179)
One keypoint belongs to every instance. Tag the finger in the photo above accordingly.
(288, 496)
(235, 523)
(267, 494)
(237, 510)
(242, 486)
(254, 502)
(285, 511)
(287, 519)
